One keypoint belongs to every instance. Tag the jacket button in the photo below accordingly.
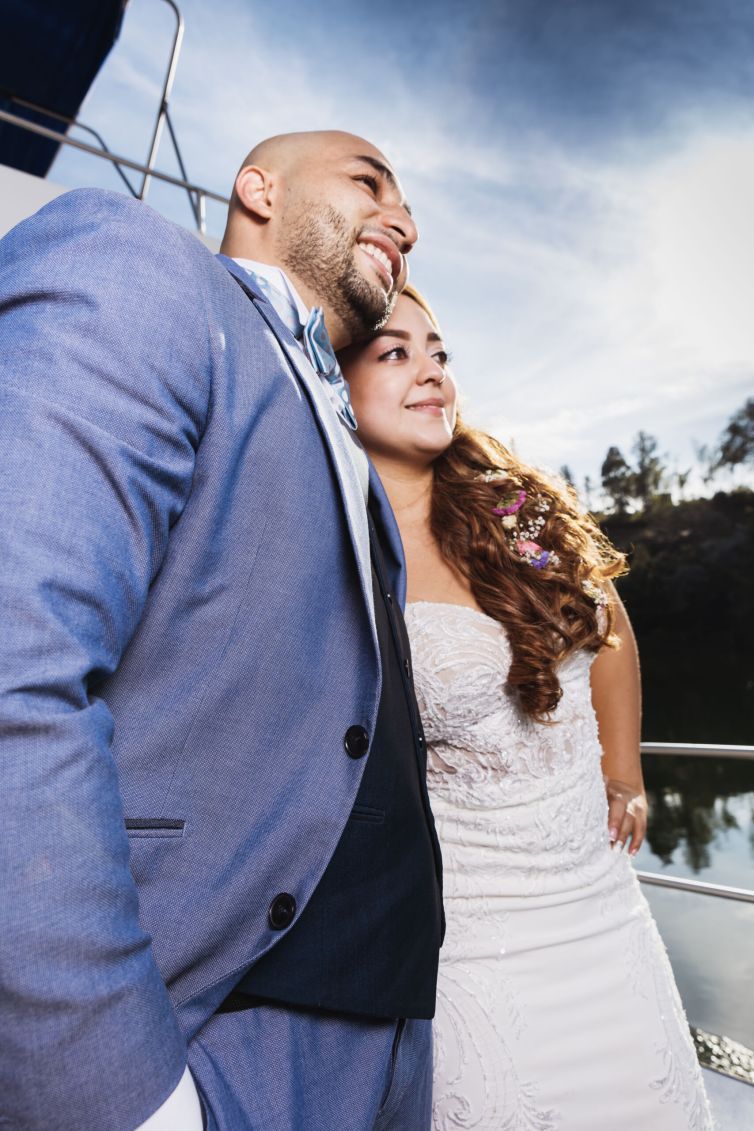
(356, 742)
(282, 911)
(407, 667)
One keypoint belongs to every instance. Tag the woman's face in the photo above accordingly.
(402, 391)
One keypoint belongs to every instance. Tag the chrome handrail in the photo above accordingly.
(197, 196)
(68, 121)
(698, 750)
(162, 113)
(700, 887)
(203, 194)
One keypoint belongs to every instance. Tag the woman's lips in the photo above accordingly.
(432, 407)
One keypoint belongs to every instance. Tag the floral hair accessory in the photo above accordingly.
(596, 592)
(510, 504)
(493, 475)
(533, 553)
(523, 539)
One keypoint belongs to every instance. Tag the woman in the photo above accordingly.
(556, 1003)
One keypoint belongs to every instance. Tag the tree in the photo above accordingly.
(617, 480)
(707, 460)
(650, 470)
(588, 492)
(567, 474)
(681, 479)
(737, 441)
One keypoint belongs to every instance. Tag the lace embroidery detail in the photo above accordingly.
(546, 924)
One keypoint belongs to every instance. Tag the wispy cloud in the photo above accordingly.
(581, 173)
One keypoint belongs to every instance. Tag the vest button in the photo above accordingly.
(356, 742)
(282, 911)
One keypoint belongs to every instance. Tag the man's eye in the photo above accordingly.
(368, 180)
(396, 353)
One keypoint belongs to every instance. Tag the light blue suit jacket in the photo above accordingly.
(186, 639)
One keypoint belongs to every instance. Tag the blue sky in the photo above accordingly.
(582, 174)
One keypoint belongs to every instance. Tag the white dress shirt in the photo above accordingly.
(181, 1110)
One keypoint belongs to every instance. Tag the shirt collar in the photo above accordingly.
(280, 283)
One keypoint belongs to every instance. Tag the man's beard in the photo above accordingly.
(318, 248)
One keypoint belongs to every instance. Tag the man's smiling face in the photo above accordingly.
(344, 232)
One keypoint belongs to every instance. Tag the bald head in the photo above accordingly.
(328, 208)
(290, 155)
(284, 152)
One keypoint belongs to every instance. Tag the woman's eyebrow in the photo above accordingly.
(403, 334)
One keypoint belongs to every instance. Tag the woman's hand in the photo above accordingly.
(626, 815)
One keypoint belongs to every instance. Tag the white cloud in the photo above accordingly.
(701, 230)
(584, 298)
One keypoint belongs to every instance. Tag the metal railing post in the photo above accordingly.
(163, 110)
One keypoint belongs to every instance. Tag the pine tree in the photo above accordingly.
(617, 480)
(649, 476)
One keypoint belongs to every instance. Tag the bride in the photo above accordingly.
(557, 1009)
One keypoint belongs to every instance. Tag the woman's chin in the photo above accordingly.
(429, 445)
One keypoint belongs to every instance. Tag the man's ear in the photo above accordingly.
(255, 189)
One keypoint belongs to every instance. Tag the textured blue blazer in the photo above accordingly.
(186, 637)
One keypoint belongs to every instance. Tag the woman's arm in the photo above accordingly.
(616, 698)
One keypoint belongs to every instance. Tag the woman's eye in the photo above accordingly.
(397, 353)
(442, 357)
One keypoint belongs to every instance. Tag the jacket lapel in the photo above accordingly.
(390, 538)
(333, 433)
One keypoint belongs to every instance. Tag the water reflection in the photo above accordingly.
(702, 825)
(696, 806)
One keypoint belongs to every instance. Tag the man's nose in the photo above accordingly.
(398, 220)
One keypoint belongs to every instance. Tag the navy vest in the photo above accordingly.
(368, 940)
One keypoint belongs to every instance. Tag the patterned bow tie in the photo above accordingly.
(315, 341)
(319, 350)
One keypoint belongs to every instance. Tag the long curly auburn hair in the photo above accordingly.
(546, 612)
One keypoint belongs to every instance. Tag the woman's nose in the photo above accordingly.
(432, 371)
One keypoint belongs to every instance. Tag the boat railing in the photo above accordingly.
(698, 750)
(197, 195)
(677, 883)
(202, 194)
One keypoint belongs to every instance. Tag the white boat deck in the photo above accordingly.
(732, 1101)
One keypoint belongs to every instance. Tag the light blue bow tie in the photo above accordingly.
(322, 356)
(314, 338)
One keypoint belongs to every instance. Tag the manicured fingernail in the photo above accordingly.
(621, 845)
(633, 851)
(613, 834)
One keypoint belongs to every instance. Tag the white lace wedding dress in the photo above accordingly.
(557, 1009)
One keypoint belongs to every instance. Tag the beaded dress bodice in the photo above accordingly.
(531, 792)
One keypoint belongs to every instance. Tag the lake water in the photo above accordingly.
(702, 827)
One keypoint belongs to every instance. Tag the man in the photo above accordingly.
(220, 873)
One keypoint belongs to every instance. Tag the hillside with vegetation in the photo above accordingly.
(690, 589)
